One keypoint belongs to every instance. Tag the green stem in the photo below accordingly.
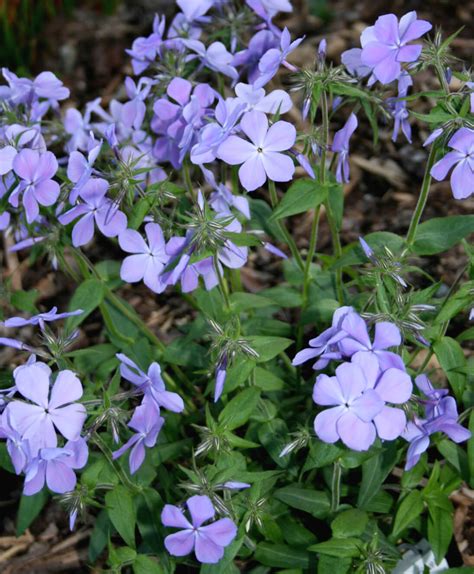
(222, 285)
(120, 473)
(288, 238)
(337, 247)
(187, 180)
(422, 199)
(336, 486)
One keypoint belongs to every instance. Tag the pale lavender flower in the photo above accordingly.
(324, 345)
(147, 260)
(227, 114)
(96, 208)
(151, 384)
(385, 45)
(248, 59)
(208, 541)
(133, 112)
(261, 157)
(340, 145)
(37, 421)
(222, 199)
(399, 110)
(55, 467)
(353, 63)
(442, 416)
(215, 57)
(434, 135)
(40, 319)
(146, 420)
(357, 395)
(79, 170)
(194, 9)
(25, 91)
(4, 220)
(255, 99)
(462, 156)
(275, 57)
(145, 50)
(35, 171)
(17, 447)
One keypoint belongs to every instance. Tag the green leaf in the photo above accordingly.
(24, 300)
(451, 358)
(456, 456)
(336, 203)
(268, 347)
(303, 195)
(410, 508)
(441, 233)
(238, 410)
(274, 436)
(315, 502)
(281, 556)
(353, 254)
(149, 506)
(321, 454)
(121, 511)
(333, 565)
(267, 381)
(88, 296)
(349, 523)
(30, 507)
(440, 531)
(99, 536)
(145, 565)
(226, 562)
(374, 472)
(338, 547)
(248, 301)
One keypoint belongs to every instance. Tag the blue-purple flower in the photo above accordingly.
(260, 157)
(340, 146)
(358, 394)
(207, 540)
(147, 423)
(462, 157)
(385, 46)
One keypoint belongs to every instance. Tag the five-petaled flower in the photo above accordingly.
(37, 420)
(260, 157)
(148, 259)
(208, 541)
(462, 156)
(385, 45)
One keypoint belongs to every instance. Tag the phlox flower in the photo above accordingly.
(462, 157)
(35, 171)
(55, 467)
(207, 541)
(255, 99)
(358, 394)
(25, 91)
(146, 420)
(441, 415)
(40, 319)
(194, 9)
(340, 145)
(36, 421)
(248, 58)
(148, 259)
(260, 157)
(133, 111)
(271, 61)
(215, 57)
(79, 170)
(17, 447)
(144, 50)
(150, 383)
(96, 208)
(385, 45)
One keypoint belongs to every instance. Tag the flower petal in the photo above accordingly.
(33, 383)
(278, 166)
(180, 543)
(69, 420)
(66, 389)
(201, 509)
(390, 423)
(355, 433)
(394, 386)
(252, 173)
(325, 424)
(173, 516)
